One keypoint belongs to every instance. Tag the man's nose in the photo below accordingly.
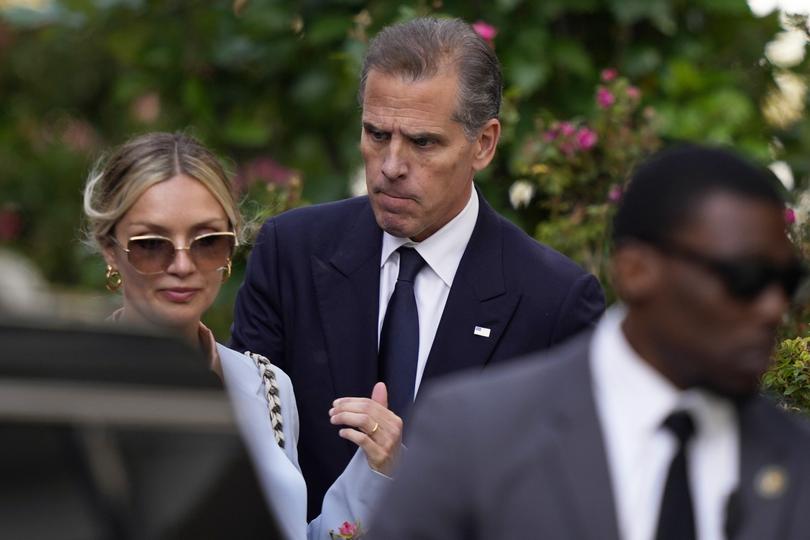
(395, 165)
(772, 304)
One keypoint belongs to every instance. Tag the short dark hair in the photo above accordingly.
(419, 48)
(665, 189)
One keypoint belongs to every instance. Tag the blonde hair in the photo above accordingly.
(119, 180)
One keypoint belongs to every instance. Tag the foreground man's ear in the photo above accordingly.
(486, 143)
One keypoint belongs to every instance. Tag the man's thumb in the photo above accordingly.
(380, 394)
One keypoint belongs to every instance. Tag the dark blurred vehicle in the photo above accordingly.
(112, 434)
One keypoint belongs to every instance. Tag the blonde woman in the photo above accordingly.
(161, 212)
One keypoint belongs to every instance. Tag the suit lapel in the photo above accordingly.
(478, 298)
(765, 484)
(583, 470)
(347, 285)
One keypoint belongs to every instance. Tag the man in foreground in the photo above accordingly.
(420, 278)
(650, 426)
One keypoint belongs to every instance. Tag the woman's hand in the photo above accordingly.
(372, 426)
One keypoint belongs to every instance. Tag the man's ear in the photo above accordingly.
(486, 143)
(637, 272)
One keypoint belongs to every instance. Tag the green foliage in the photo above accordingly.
(789, 377)
(272, 80)
(575, 170)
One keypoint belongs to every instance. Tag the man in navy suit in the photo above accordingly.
(320, 279)
(650, 426)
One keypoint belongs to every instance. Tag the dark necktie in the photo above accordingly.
(676, 520)
(399, 338)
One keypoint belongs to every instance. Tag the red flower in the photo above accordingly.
(485, 30)
(266, 170)
(615, 193)
(586, 138)
(347, 528)
(608, 74)
(790, 216)
(567, 129)
(605, 98)
(633, 92)
(10, 224)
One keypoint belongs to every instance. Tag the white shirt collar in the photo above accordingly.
(443, 249)
(638, 392)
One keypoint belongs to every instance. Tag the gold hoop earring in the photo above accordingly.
(226, 271)
(113, 279)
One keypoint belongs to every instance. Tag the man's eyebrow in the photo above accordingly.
(432, 135)
(368, 126)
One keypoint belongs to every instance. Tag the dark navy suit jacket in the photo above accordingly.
(310, 303)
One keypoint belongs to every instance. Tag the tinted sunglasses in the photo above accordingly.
(745, 277)
(153, 254)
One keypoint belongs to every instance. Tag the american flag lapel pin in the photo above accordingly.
(481, 331)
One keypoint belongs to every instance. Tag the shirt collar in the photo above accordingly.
(638, 391)
(442, 250)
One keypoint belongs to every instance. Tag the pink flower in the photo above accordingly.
(633, 92)
(568, 148)
(485, 30)
(266, 170)
(347, 528)
(11, 224)
(604, 97)
(790, 216)
(615, 193)
(586, 138)
(146, 108)
(567, 129)
(608, 74)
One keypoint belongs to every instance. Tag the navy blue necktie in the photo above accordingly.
(676, 520)
(399, 338)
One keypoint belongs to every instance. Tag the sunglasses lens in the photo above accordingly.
(747, 280)
(792, 278)
(150, 255)
(212, 251)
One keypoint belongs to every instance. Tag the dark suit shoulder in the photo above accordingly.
(535, 256)
(322, 216)
(764, 413)
(517, 386)
(318, 226)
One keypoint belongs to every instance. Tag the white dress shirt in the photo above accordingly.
(442, 251)
(632, 401)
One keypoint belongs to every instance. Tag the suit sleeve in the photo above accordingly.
(432, 495)
(258, 324)
(351, 498)
(581, 309)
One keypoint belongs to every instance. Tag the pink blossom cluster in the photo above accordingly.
(571, 139)
(486, 31)
(347, 531)
(11, 224)
(265, 170)
(606, 94)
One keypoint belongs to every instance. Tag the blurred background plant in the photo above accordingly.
(590, 87)
(574, 170)
(788, 380)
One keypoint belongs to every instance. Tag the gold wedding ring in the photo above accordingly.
(375, 428)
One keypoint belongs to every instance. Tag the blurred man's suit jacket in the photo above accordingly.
(310, 303)
(520, 454)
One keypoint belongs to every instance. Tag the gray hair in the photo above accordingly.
(420, 48)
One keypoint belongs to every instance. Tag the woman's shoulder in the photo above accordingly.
(243, 366)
